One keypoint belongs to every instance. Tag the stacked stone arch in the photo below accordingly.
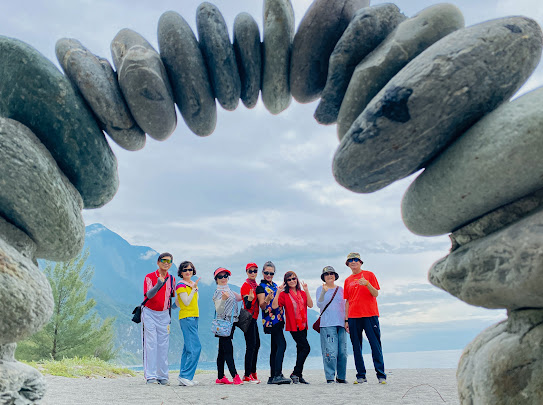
(406, 92)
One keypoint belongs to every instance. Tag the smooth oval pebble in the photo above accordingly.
(407, 41)
(247, 48)
(95, 79)
(35, 93)
(26, 301)
(368, 28)
(187, 71)
(276, 49)
(498, 160)
(219, 55)
(35, 195)
(434, 99)
(320, 28)
(144, 84)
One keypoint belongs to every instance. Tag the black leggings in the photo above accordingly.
(278, 347)
(252, 343)
(226, 353)
(302, 350)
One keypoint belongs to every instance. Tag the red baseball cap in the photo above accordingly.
(221, 270)
(250, 265)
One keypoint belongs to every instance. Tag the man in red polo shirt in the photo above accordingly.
(362, 315)
(252, 338)
(155, 317)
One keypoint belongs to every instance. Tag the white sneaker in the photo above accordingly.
(186, 382)
(194, 382)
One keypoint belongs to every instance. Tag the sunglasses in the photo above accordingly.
(292, 279)
(268, 273)
(187, 269)
(165, 260)
(221, 276)
(328, 274)
(353, 260)
(252, 271)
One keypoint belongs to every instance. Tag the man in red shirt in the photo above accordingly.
(360, 292)
(155, 317)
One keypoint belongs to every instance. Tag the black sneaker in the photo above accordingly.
(270, 379)
(302, 381)
(330, 382)
(280, 379)
(295, 379)
(340, 381)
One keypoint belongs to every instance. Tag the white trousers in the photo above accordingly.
(156, 339)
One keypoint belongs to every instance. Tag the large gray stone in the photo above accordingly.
(26, 301)
(276, 50)
(35, 195)
(497, 161)
(368, 28)
(434, 99)
(187, 71)
(497, 219)
(247, 48)
(144, 84)
(504, 364)
(320, 28)
(95, 79)
(20, 384)
(219, 55)
(18, 239)
(407, 41)
(501, 270)
(35, 93)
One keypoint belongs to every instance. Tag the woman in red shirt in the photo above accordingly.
(295, 300)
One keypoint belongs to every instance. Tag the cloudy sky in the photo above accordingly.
(261, 186)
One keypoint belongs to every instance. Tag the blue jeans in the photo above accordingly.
(371, 326)
(334, 352)
(191, 348)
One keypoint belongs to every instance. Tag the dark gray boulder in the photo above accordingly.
(18, 239)
(35, 195)
(144, 84)
(35, 93)
(276, 49)
(407, 41)
(317, 35)
(219, 55)
(95, 79)
(247, 48)
(187, 72)
(434, 99)
(368, 28)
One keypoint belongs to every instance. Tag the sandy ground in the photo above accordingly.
(405, 386)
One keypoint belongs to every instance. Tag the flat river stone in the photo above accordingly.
(320, 28)
(26, 300)
(278, 35)
(504, 364)
(35, 195)
(489, 272)
(144, 84)
(248, 50)
(498, 160)
(95, 79)
(219, 55)
(407, 41)
(187, 71)
(35, 93)
(434, 99)
(368, 28)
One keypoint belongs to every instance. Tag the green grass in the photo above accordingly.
(90, 367)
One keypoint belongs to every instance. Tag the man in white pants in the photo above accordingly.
(156, 315)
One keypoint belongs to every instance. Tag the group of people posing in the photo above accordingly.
(349, 310)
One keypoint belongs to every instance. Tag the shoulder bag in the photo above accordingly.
(317, 324)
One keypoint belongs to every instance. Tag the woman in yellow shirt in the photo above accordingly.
(187, 301)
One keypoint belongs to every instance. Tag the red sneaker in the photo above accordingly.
(224, 380)
(255, 378)
(247, 379)
(237, 380)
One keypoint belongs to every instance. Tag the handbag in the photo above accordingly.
(221, 327)
(136, 313)
(317, 324)
(244, 320)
